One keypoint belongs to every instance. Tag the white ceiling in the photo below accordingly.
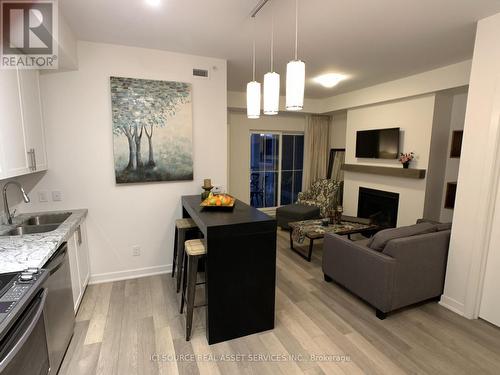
(370, 40)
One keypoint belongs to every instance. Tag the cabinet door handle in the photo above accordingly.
(30, 154)
(34, 159)
(79, 232)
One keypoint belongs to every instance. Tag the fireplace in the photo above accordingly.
(378, 205)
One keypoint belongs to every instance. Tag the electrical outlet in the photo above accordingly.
(43, 196)
(136, 251)
(56, 196)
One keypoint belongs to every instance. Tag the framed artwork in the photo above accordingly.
(152, 130)
(456, 143)
(451, 192)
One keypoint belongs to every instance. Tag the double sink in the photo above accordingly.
(38, 224)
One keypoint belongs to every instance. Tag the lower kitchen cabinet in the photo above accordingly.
(79, 262)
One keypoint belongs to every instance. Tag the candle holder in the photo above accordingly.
(207, 187)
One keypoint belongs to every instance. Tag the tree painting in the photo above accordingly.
(152, 130)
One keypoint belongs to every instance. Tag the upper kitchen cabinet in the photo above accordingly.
(22, 142)
(32, 117)
(14, 157)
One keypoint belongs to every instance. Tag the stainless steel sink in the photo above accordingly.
(31, 229)
(47, 219)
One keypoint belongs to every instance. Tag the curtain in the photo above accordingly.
(337, 172)
(317, 147)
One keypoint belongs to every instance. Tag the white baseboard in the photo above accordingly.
(453, 305)
(129, 274)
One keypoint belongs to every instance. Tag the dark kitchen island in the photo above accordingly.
(240, 271)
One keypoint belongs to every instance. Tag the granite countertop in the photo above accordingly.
(33, 250)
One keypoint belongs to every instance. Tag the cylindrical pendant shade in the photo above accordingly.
(271, 93)
(253, 99)
(295, 81)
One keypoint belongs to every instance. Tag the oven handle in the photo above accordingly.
(15, 349)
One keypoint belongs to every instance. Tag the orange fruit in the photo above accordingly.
(218, 202)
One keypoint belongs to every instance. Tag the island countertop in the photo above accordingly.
(33, 250)
(210, 217)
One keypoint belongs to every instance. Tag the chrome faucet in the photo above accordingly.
(6, 203)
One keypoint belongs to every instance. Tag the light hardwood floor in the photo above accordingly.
(121, 325)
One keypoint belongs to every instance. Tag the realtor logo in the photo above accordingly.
(29, 34)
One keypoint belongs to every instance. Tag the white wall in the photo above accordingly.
(338, 129)
(415, 118)
(239, 139)
(478, 176)
(77, 112)
(437, 155)
(457, 120)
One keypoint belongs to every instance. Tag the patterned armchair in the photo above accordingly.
(323, 194)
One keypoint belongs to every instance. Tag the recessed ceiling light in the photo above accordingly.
(154, 3)
(329, 80)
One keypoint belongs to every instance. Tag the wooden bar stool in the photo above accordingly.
(194, 251)
(182, 227)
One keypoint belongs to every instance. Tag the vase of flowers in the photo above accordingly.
(405, 159)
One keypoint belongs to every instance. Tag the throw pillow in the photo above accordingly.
(384, 236)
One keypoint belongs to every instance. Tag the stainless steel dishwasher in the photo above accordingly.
(59, 313)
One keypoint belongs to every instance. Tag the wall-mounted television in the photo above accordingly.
(378, 144)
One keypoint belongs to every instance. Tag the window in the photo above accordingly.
(291, 167)
(276, 162)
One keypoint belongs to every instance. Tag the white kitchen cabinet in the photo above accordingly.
(22, 141)
(79, 263)
(83, 255)
(31, 105)
(14, 158)
(75, 276)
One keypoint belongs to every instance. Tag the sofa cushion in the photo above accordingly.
(443, 226)
(380, 240)
(364, 242)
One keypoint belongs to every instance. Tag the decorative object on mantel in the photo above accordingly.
(152, 130)
(385, 171)
(207, 186)
(405, 159)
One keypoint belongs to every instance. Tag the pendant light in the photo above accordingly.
(295, 74)
(253, 90)
(271, 83)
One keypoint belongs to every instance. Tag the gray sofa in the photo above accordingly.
(395, 268)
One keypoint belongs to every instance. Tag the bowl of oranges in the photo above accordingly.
(218, 201)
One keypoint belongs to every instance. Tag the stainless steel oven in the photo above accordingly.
(23, 343)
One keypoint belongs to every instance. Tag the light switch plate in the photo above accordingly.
(56, 196)
(136, 251)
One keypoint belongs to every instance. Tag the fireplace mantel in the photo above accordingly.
(385, 171)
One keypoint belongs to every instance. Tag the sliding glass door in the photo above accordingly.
(276, 161)
(291, 167)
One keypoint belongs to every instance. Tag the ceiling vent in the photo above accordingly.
(202, 73)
